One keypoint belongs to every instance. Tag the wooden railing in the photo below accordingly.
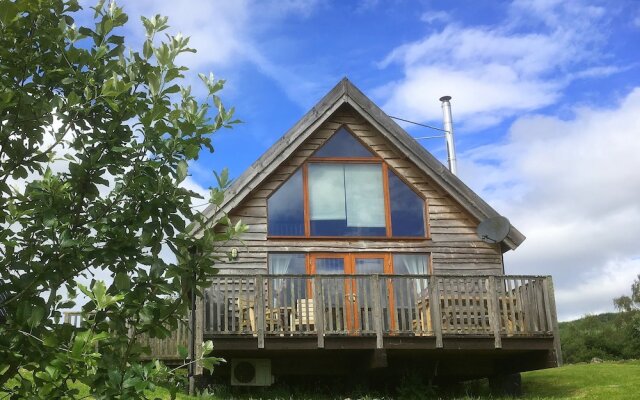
(164, 349)
(379, 305)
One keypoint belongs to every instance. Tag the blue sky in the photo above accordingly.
(545, 103)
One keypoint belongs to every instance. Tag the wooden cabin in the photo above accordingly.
(362, 254)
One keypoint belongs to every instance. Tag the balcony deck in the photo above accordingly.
(378, 311)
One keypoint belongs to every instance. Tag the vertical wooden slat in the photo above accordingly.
(514, 317)
(522, 306)
(503, 304)
(540, 303)
(427, 322)
(377, 312)
(226, 304)
(366, 292)
(456, 305)
(260, 310)
(547, 309)
(340, 307)
(292, 304)
(393, 307)
(309, 298)
(318, 303)
(346, 291)
(528, 305)
(330, 308)
(414, 314)
(434, 305)
(472, 295)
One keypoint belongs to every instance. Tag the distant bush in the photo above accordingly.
(610, 336)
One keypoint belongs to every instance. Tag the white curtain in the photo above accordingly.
(279, 263)
(364, 196)
(326, 192)
(411, 264)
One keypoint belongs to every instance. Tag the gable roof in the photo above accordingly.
(346, 93)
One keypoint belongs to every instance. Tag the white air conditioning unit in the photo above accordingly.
(251, 372)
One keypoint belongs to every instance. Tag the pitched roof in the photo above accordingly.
(346, 93)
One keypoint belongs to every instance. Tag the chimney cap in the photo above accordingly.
(445, 98)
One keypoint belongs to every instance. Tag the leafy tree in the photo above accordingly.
(628, 303)
(95, 140)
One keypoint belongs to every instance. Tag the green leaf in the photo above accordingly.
(122, 281)
(181, 171)
(182, 351)
(37, 313)
(207, 347)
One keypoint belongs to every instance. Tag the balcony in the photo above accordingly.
(380, 310)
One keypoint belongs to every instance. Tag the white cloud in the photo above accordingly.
(433, 16)
(227, 34)
(572, 187)
(494, 72)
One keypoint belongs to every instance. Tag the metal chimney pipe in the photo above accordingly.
(448, 127)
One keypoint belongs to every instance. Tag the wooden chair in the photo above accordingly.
(246, 315)
(303, 314)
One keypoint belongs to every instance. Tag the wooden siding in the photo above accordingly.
(453, 244)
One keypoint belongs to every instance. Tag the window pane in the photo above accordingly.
(286, 291)
(326, 192)
(364, 195)
(346, 200)
(330, 265)
(369, 266)
(410, 264)
(343, 144)
(407, 209)
(287, 263)
(286, 208)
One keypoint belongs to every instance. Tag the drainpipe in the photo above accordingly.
(448, 127)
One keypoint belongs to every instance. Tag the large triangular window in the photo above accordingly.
(345, 190)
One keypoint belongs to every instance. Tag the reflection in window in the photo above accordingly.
(346, 200)
(407, 209)
(286, 208)
(342, 144)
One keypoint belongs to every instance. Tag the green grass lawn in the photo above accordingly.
(606, 381)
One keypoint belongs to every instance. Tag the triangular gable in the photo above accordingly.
(346, 93)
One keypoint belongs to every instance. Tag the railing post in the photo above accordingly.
(260, 309)
(554, 319)
(494, 311)
(377, 312)
(436, 314)
(318, 309)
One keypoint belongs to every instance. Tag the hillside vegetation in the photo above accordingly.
(610, 336)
